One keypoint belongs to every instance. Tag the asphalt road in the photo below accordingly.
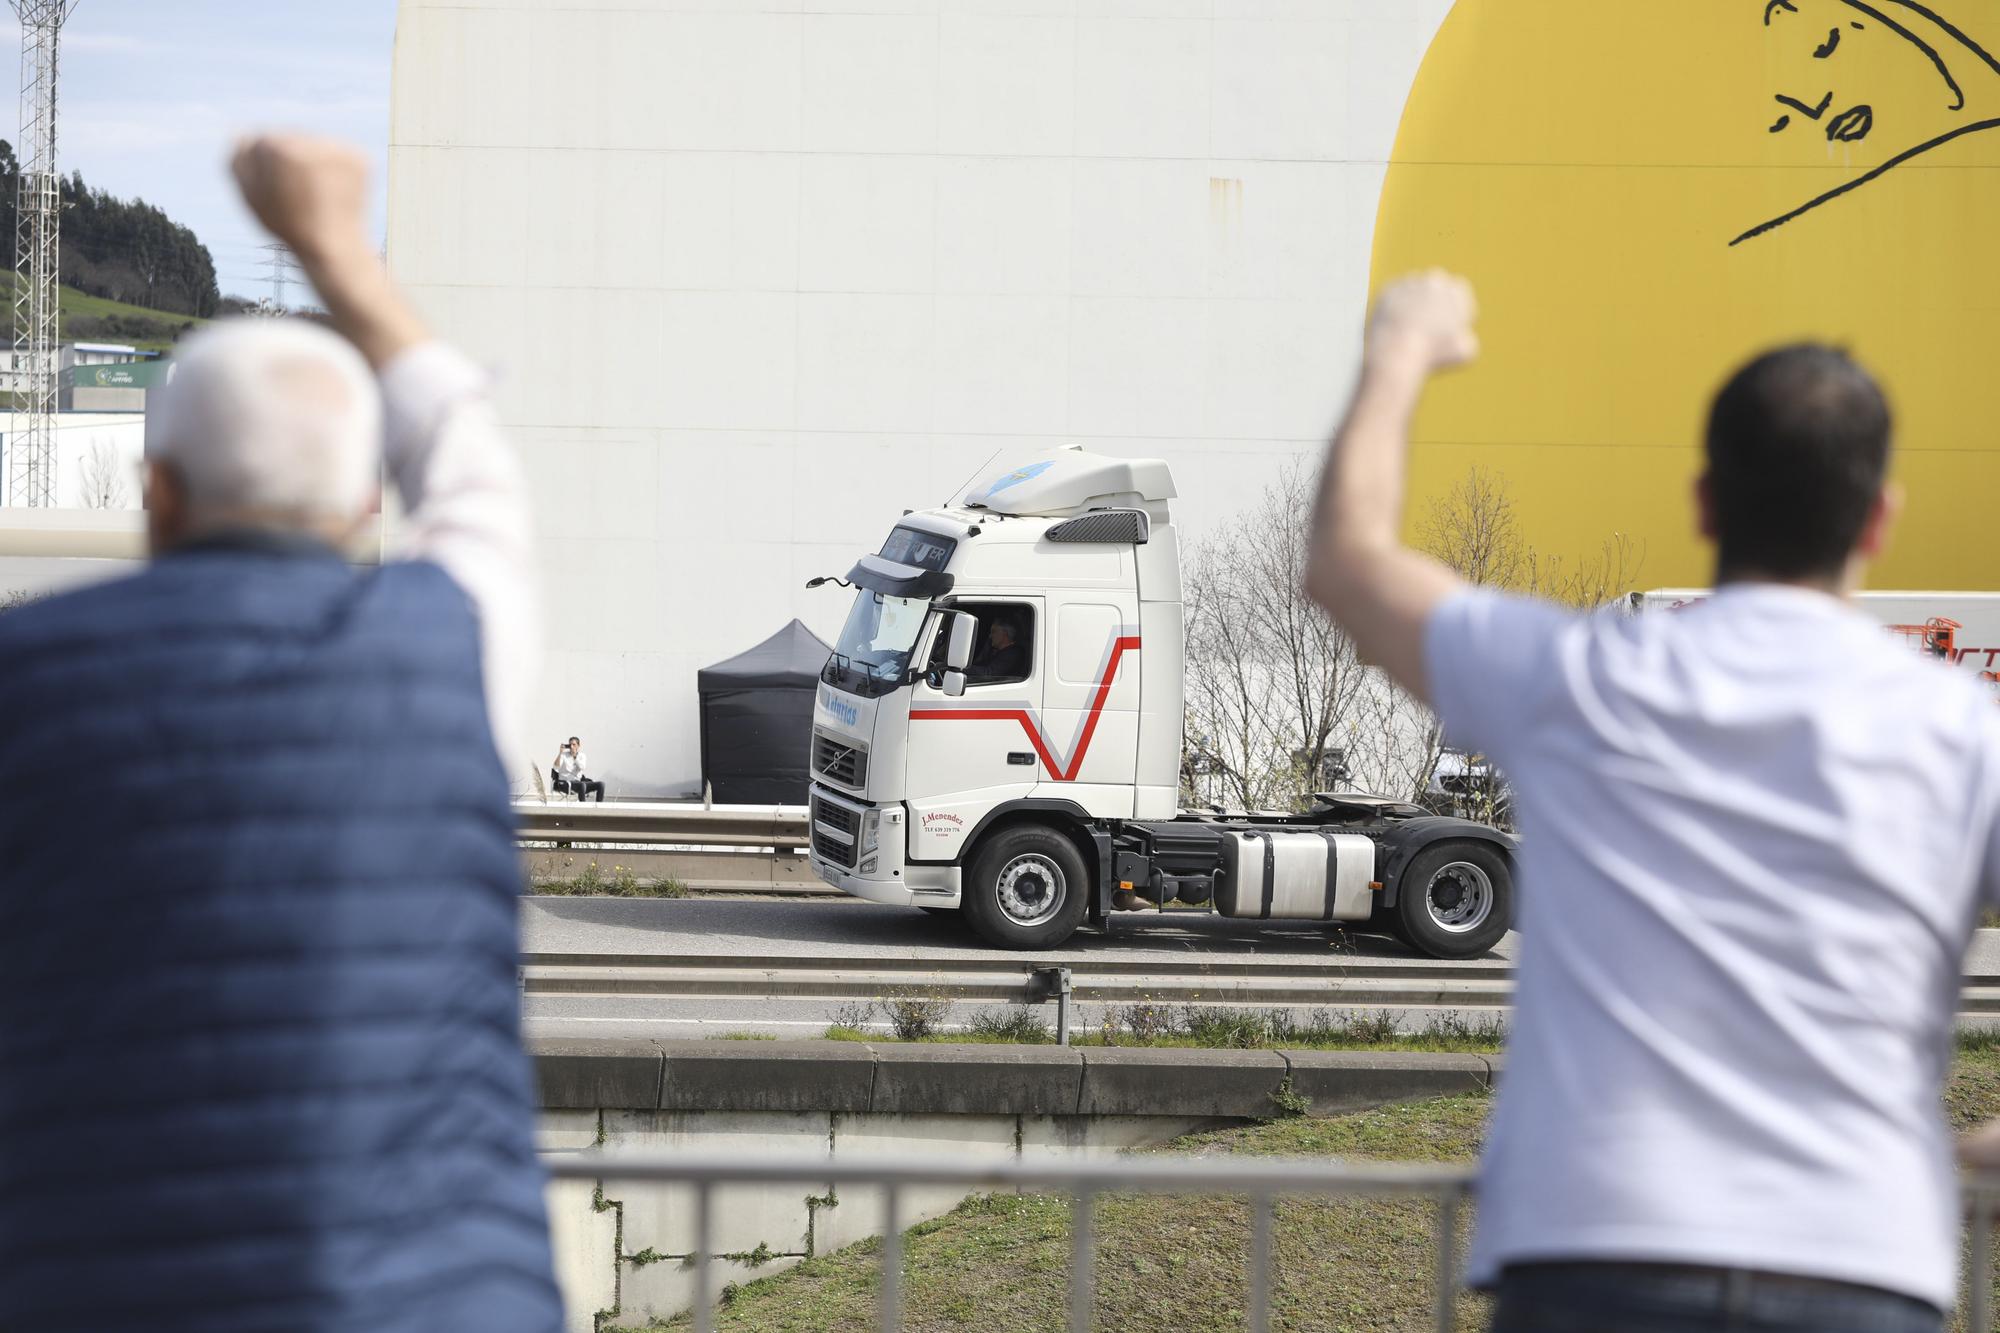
(848, 928)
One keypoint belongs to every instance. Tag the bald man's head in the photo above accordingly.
(272, 424)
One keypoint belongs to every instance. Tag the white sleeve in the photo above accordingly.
(466, 509)
(1489, 658)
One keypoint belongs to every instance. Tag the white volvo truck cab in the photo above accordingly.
(998, 731)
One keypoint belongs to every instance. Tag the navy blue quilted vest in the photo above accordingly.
(260, 1060)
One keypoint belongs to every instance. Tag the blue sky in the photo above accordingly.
(153, 94)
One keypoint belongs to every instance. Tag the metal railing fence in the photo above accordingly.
(1262, 1182)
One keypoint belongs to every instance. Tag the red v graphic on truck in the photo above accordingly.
(1057, 772)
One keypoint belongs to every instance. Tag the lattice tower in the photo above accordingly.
(31, 446)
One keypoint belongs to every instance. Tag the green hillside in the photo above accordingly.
(96, 319)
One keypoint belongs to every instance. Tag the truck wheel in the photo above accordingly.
(1026, 888)
(1456, 899)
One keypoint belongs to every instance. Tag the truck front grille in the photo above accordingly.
(839, 762)
(833, 832)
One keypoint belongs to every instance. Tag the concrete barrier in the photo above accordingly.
(889, 1078)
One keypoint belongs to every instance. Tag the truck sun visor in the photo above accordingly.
(898, 580)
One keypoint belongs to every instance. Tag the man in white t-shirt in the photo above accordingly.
(1757, 836)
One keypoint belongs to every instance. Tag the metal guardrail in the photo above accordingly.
(671, 825)
(1099, 978)
(1000, 979)
(1262, 1181)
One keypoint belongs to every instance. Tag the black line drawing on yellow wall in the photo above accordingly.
(1839, 45)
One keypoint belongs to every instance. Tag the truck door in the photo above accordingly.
(1091, 700)
(971, 753)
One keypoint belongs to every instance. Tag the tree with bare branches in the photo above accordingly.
(1273, 686)
(1277, 698)
(103, 478)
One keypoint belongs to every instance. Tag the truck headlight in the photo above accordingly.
(871, 841)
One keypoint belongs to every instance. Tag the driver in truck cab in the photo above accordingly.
(1006, 659)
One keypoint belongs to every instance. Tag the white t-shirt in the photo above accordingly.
(1757, 834)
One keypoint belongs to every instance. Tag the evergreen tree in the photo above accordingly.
(123, 249)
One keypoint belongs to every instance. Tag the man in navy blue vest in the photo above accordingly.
(260, 1060)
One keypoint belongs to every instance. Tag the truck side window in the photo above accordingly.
(1004, 650)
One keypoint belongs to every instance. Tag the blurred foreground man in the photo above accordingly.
(260, 1065)
(1758, 834)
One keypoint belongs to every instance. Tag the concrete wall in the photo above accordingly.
(806, 1099)
(757, 277)
(118, 437)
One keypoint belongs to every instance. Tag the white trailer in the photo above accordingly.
(998, 732)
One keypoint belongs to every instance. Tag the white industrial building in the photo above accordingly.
(755, 278)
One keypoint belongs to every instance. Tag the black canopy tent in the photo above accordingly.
(756, 719)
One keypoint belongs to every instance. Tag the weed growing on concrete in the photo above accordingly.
(744, 1036)
(756, 1258)
(649, 1255)
(1014, 1024)
(914, 1012)
(1288, 1102)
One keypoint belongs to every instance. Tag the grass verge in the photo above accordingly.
(1176, 1265)
(1188, 1026)
(592, 881)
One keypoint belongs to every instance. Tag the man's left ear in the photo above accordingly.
(1882, 516)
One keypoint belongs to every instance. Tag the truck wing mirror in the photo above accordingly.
(953, 684)
(958, 648)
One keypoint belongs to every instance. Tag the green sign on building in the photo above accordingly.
(132, 375)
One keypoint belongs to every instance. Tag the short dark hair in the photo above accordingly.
(575, 738)
(1798, 445)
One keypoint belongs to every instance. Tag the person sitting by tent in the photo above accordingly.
(570, 772)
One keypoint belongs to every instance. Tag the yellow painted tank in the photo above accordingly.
(1646, 193)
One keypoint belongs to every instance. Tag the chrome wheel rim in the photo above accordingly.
(1459, 897)
(1031, 889)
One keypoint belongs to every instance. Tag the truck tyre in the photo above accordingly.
(1026, 888)
(1456, 899)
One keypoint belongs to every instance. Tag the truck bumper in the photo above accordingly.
(916, 886)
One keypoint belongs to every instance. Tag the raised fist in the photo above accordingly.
(1427, 317)
(312, 194)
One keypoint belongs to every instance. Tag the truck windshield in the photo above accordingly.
(872, 657)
